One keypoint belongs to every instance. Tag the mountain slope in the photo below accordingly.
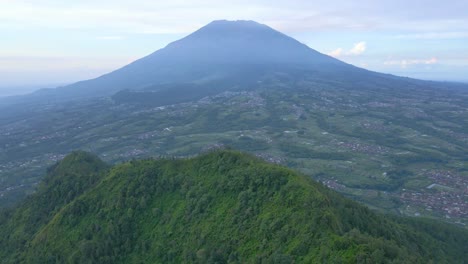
(227, 55)
(221, 49)
(65, 181)
(223, 207)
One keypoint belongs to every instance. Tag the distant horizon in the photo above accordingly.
(23, 89)
(6, 91)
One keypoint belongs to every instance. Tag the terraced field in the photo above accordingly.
(398, 151)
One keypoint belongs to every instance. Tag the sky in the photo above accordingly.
(46, 43)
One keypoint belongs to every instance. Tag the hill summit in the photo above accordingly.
(220, 207)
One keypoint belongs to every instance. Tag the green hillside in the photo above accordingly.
(64, 181)
(220, 207)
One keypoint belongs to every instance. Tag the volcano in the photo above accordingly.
(222, 50)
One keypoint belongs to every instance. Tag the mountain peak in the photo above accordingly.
(241, 42)
(239, 24)
(234, 22)
(235, 29)
(220, 48)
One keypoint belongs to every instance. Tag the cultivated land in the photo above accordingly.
(395, 149)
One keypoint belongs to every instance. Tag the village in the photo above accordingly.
(446, 195)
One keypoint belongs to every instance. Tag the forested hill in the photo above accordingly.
(220, 207)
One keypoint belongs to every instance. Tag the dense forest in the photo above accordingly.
(219, 207)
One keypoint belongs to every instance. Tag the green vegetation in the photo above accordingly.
(65, 181)
(244, 85)
(219, 207)
(347, 136)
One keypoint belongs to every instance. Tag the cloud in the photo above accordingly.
(406, 63)
(336, 53)
(110, 37)
(358, 49)
(24, 23)
(179, 16)
(434, 35)
(85, 16)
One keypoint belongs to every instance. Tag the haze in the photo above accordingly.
(47, 43)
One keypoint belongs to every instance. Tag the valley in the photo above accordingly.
(237, 142)
(397, 149)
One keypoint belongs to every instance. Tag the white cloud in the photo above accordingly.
(434, 35)
(123, 19)
(407, 62)
(358, 49)
(177, 16)
(25, 20)
(110, 37)
(336, 53)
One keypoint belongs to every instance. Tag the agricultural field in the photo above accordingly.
(395, 151)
